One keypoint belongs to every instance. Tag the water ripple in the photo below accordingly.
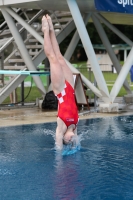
(30, 168)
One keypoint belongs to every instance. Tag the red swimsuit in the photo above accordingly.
(67, 109)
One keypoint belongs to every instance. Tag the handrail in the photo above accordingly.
(24, 72)
(21, 30)
(1, 31)
(57, 20)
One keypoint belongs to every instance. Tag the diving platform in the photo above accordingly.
(85, 6)
(28, 73)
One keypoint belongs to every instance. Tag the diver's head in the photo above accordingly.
(68, 137)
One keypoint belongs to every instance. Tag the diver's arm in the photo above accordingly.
(58, 139)
(60, 131)
(75, 131)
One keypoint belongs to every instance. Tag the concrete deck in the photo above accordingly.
(32, 115)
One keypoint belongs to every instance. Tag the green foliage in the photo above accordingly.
(95, 39)
(31, 98)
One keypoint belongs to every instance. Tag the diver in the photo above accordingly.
(63, 87)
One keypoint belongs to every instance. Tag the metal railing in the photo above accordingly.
(21, 30)
(3, 26)
(110, 76)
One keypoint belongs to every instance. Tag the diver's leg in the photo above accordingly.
(66, 70)
(57, 78)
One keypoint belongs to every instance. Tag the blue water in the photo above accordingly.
(30, 168)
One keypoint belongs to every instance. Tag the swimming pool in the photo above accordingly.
(30, 168)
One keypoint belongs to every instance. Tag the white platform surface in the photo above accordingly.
(61, 5)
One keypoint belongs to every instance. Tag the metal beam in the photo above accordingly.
(88, 48)
(21, 46)
(60, 37)
(21, 30)
(122, 76)
(114, 29)
(71, 26)
(86, 81)
(24, 24)
(75, 40)
(109, 49)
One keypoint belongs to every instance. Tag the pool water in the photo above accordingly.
(31, 169)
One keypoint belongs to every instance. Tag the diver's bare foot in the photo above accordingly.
(45, 24)
(50, 22)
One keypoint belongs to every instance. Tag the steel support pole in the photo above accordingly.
(31, 30)
(75, 40)
(41, 40)
(88, 48)
(22, 93)
(122, 76)
(125, 55)
(21, 30)
(114, 29)
(24, 24)
(109, 49)
(21, 46)
(86, 81)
